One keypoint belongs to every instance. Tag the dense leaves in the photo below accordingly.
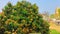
(23, 18)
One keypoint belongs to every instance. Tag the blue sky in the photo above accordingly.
(44, 5)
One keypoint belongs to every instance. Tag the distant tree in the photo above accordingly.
(52, 16)
(57, 13)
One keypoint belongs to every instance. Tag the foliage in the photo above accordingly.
(52, 16)
(54, 32)
(23, 18)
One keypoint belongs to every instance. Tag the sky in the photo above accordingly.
(44, 5)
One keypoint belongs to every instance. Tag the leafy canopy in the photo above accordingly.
(23, 18)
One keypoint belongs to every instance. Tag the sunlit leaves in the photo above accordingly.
(23, 18)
